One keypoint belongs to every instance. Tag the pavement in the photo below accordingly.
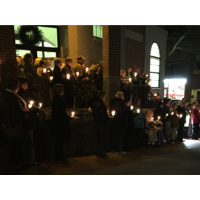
(170, 159)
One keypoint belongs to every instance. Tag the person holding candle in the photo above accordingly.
(95, 76)
(151, 128)
(60, 121)
(136, 72)
(129, 73)
(187, 125)
(119, 122)
(160, 112)
(181, 110)
(138, 121)
(102, 120)
(167, 121)
(125, 84)
(31, 75)
(14, 110)
(195, 115)
(174, 124)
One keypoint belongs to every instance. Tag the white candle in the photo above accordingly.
(130, 79)
(172, 113)
(155, 94)
(138, 110)
(51, 78)
(149, 83)
(113, 113)
(29, 105)
(68, 76)
(40, 104)
(44, 70)
(181, 115)
(73, 113)
(147, 75)
(77, 73)
(135, 74)
(31, 102)
(152, 119)
(166, 114)
(132, 107)
(86, 69)
(158, 118)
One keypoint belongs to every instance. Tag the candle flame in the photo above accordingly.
(113, 113)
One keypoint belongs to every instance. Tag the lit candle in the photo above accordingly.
(158, 118)
(181, 115)
(113, 113)
(138, 110)
(68, 76)
(29, 105)
(73, 113)
(40, 104)
(31, 102)
(130, 79)
(172, 113)
(44, 70)
(135, 74)
(152, 119)
(147, 75)
(149, 84)
(155, 94)
(132, 107)
(51, 78)
(86, 69)
(166, 114)
(77, 73)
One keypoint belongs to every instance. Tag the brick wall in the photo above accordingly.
(7, 53)
(111, 50)
(137, 29)
(134, 53)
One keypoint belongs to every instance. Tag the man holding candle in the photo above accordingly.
(69, 85)
(101, 118)
(119, 123)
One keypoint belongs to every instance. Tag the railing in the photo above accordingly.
(139, 89)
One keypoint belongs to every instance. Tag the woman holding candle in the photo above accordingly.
(174, 123)
(129, 73)
(138, 123)
(125, 84)
(60, 121)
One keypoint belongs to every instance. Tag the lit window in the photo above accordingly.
(21, 52)
(155, 66)
(97, 31)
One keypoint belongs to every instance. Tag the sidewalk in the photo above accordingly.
(180, 158)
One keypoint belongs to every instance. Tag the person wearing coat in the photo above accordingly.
(167, 121)
(159, 112)
(31, 75)
(119, 122)
(14, 111)
(174, 125)
(101, 118)
(31, 123)
(60, 121)
(181, 110)
(125, 84)
(69, 93)
(195, 115)
(138, 122)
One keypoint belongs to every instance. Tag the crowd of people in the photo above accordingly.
(39, 86)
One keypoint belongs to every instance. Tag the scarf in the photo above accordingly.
(19, 98)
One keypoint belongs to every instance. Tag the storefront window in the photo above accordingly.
(155, 66)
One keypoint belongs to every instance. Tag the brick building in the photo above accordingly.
(117, 46)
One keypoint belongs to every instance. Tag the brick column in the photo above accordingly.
(7, 53)
(111, 60)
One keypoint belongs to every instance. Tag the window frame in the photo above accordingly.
(159, 64)
(34, 49)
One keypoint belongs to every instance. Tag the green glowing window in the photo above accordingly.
(97, 31)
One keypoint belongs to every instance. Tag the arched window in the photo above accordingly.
(155, 66)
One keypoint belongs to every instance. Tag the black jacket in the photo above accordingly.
(120, 118)
(57, 76)
(159, 112)
(181, 110)
(167, 111)
(60, 119)
(68, 70)
(13, 113)
(99, 111)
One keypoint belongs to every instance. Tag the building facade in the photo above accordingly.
(117, 46)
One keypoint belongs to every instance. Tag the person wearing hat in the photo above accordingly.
(69, 85)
